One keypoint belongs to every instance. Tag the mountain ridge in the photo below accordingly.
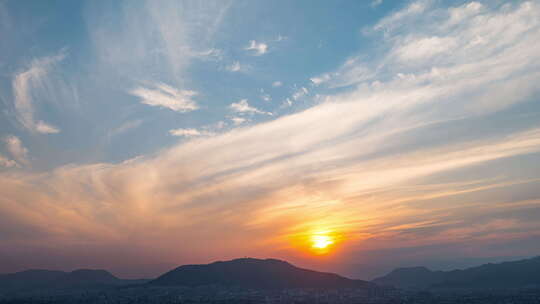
(279, 274)
(511, 274)
(255, 273)
(43, 279)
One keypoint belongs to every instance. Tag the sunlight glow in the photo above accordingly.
(321, 241)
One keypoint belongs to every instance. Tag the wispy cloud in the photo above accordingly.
(300, 93)
(394, 20)
(437, 53)
(153, 42)
(30, 83)
(463, 12)
(320, 79)
(209, 54)
(353, 71)
(6, 162)
(297, 94)
(286, 103)
(190, 132)
(17, 150)
(277, 84)
(258, 48)
(242, 106)
(165, 96)
(218, 125)
(125, 127)
(234, 67)
(238, 120)
(45, 128)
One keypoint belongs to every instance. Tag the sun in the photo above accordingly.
(321, 241)
(317, 242)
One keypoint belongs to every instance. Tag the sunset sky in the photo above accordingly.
(345, 136)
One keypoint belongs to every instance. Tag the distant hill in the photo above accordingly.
(255, 273)
(523, 273)
(411, 277)
(30, 280)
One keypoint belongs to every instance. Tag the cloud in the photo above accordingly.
(165, 96)
(151, 42)
(234, 67)
(467, 10)
(300, 93)
(190, 132)
(287, 103)
(7, 163)
(16, 149)
(242, 106)
(320, 79)
(353, 71)
(425, 48)
(433, 52)
(218, 125)
(277, 84)
(32, 83)
(239, 120)
(394, 20)
(45, 128)
(125, 127)
(209, 54)
(258, 48)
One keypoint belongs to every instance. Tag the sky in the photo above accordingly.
(137, 136)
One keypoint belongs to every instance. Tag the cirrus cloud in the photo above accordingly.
(30, 83)
(242, 106)
(165, 96)
(258, 48)
(190, 132)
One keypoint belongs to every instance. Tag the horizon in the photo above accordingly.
(351, 137)
(273, 259)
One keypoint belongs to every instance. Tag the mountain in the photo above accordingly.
(255, 273)
(516, 274)
(29, 279)
(411, 277)
(51, 279)
(84, 277)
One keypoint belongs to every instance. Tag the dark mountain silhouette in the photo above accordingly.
(516, 274)
(411, 277)
(82, 277)
(255, 273)
(29, 279)
(51, 279)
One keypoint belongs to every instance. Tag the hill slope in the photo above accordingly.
(50, 279)
(523, 273)
(411, 277)
(255, 273)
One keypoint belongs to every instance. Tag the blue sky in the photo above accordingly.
(102, 51)
(408, 130)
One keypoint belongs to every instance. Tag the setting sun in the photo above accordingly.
(321, 241)
(317, 242)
